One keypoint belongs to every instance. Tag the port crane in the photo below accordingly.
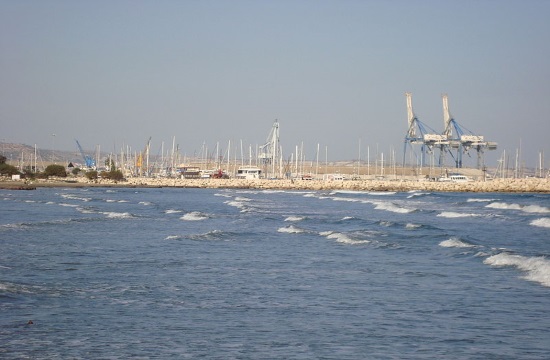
(88, 160)
(421, 134)
(270, 153)
(461, 140)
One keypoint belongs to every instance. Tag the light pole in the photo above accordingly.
(53, 148)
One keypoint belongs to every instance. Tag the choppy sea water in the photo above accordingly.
(234, 274)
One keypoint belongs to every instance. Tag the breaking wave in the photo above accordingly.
(479, 200)
(528, 208)
(211, 235)
(118, 215)
(536, 268)
(171, 211)
(237, 204)
(74, 197)
(451, 214)
(388, 206)
(542, 222)
(455, 242)
(342, 238)
(294, 218)
(291, 230)
(194, 216)
(415, 194)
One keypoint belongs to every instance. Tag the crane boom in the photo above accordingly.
(88, 161)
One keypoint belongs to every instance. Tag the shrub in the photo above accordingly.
(112, 175)
(91, 175)
(55, 170)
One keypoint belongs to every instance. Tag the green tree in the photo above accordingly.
(110, 164)
(8, 170)
(75, 171)
(3, 159)
(55, 170)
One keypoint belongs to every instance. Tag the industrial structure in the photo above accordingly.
(421, 134)
(88, 160)
(455, 139)
(270, 153)
(462, 139)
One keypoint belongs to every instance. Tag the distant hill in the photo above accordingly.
(17, 153)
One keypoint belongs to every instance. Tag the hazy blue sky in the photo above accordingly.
(115, 73)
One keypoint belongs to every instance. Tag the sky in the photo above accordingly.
(332, 73)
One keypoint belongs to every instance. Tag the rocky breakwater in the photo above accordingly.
(497, 185)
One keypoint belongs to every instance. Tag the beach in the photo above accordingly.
(524, 185)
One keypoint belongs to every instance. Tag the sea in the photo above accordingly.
(174, 273)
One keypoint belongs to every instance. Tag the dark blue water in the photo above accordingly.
(229, 274)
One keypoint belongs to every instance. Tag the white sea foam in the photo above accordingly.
(290, 230)
(309, 195)
(68, 205)
(381, 193)
(73, 197)
(194, 216)
(536, 209)
(414, 194)
(456, 243)
(237, 204)
(542, 222)
(146, 203)
(451, 214)
(211, 235)
(85, 210)
(118, 215)
(337, 198)
(294, 218)
(13, 226)
(342, 238)
(348, 218)
(388, 206)
(241, 198)
(412, 226)
(172, 237)
(505, 206)
(536, 268)
(527, 208)
(171, 211)
(480, 200)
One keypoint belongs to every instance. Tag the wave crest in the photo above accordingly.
(537, 269)
(456, 243)
(194, 216)
(542, 222)
(291, 230)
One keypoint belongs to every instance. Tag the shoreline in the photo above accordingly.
(527, 185)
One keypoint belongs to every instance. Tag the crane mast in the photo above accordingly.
(270, 152)
(448, 132)
(410, 116)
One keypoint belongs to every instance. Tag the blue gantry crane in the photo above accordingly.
(88, 160)
(462, 139)
(421, 134)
